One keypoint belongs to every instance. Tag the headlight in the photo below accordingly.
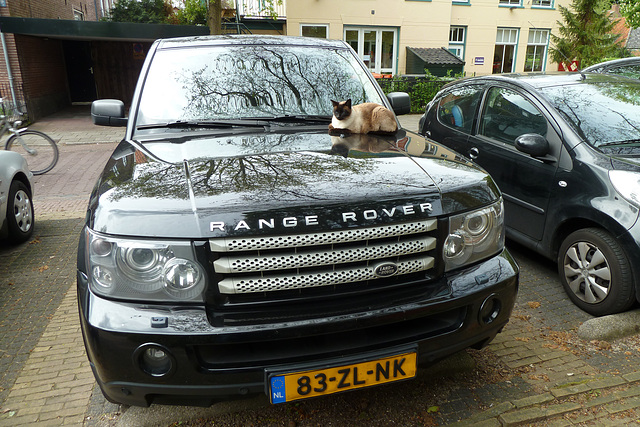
(143, 270)
(627, 184)
(474, 236)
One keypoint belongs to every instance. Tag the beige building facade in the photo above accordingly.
(491, 36)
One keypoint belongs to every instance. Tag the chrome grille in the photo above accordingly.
(287, 262)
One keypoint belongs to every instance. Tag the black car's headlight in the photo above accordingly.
(626, 183)
(474, 236)
(142, 269)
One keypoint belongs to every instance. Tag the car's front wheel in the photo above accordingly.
(19, 212)
(595, 272)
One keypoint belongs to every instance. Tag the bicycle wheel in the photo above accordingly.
(40, 151)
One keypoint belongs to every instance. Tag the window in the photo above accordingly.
(541, 3)
(504, 54)
(376, 47)
(536, 50)
(318, 31)
(78, 15)
(507, 115)
(458, 108)
(457, 41)
(510, 2)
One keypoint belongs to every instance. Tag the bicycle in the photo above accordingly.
(38, 148)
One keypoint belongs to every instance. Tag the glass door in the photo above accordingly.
(376, 47)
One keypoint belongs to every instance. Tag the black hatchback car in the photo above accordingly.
(565, 151)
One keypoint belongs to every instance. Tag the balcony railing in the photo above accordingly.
(260, 9)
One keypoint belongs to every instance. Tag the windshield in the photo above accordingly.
(603, 113)
(236, 82)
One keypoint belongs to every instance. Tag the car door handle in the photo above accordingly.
(474, 153)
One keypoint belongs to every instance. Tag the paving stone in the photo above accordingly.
(531, 415)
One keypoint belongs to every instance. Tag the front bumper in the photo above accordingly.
(205, 364)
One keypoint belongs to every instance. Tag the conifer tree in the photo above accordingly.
(585, 35)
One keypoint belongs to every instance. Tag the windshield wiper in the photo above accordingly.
(213, 124)
(630, 142)
(296, 118)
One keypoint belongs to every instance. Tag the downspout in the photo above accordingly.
(9, 73)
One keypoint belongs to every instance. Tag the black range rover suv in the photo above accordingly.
(233, 246)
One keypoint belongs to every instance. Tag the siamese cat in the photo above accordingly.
(361, 118)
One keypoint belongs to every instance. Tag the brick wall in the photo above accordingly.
(44, 74)
(53, 9)
(38, 63)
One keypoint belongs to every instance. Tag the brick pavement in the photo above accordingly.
(554, 378)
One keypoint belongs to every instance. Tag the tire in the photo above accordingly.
(20, 218)
(595, 272)
(43, 151)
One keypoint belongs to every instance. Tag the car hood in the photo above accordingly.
(193, 185)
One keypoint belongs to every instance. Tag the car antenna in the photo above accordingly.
(579, 70)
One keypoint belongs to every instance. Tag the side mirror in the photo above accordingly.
(400, 102)
(108, 112)
(533, 144)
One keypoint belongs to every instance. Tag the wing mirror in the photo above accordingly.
(534, 145)
(108, 112)
(400, 102)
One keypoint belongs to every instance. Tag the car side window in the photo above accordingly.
(457, 109)
(507, 115)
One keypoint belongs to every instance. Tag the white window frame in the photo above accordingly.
(457, 40)
(538, 38)
(377, 68)
(325, 26)
(544, 4)
(510, 3)
(511, 39)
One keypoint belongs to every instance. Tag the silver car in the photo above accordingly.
(16, 206)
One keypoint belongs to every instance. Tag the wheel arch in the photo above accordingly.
(20, 176)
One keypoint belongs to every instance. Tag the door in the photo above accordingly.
(526, 182)
(375, 46)
(82, 85)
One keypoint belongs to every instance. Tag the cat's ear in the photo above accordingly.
(349, 102)
(335, 103)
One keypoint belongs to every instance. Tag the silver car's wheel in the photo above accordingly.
(595, 272)
(20, 216)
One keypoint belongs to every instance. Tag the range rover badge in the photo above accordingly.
(385, 269)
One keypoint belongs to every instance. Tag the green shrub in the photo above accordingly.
(421, 89)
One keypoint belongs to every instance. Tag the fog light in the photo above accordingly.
(490, 309)
(155, 360)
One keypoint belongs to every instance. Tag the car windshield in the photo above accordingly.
(221, 83)
(604, 113)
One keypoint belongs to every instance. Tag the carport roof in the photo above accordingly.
(436, 56)
(92, 30)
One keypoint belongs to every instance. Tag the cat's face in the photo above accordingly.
(341, 110)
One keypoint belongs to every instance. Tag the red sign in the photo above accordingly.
(574, 66)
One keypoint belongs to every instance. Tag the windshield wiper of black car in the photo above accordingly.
(212, 124)
(625, 143)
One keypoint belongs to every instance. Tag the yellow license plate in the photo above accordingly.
(319, 382)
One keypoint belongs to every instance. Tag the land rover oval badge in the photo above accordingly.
(385, 269)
